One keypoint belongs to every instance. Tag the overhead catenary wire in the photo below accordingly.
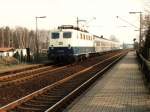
(127, 22)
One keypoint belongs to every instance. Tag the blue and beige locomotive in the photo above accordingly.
(68, 43)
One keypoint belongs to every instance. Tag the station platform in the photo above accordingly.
(121, 89)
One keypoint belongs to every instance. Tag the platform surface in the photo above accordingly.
(121, 89)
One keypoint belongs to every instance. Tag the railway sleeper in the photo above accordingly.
(47, 98)
(28, 104)
(67, 86)
(43, 99)
(50, 97)
(58, 93)
(74, 83)
(53, 94)
(63, 90)
(39, 102)
(27, 109)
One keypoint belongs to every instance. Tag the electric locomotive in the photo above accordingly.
(69, 43)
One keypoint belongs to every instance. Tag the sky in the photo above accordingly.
(23, 12)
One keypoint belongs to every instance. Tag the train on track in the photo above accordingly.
(69, 43)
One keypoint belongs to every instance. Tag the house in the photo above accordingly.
(22, 52)
(6, 52)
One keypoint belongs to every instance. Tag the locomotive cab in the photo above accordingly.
(60, 45)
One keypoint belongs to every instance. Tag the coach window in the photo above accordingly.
(86, 37)
(81, 36)
(67, 35)
(55, 35)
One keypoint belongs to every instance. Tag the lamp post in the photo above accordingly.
(37, 40)
(140, 28)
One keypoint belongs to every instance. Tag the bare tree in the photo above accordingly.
(1, 37)
(23, 38)
(113, 38)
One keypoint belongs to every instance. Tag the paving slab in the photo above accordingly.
(121, 89)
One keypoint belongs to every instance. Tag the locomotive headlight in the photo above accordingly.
(69, 46)
(52, 47)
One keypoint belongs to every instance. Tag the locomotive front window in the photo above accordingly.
(55, 35)
(67, 35)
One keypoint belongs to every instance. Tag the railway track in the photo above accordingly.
(24, 76)
(30, 67)
(30, 73)
(54, 97)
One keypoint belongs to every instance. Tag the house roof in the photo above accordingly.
(6, 49)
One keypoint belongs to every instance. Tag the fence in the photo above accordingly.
(145, 67)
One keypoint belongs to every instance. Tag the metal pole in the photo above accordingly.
(77, 22)
(36, 41)
(140, 29)
(140, 36)
(77, 26)
(12, 42)
(3, 38)
(9, 38)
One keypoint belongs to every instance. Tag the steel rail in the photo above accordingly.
(14, 71)
(27, 77)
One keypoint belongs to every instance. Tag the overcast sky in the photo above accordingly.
(23, 12)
